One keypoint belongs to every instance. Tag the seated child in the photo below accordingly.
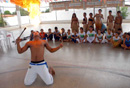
(63, 35)
(81, 35)
(56, 34)
(108, 36)
(49, 35)
(126, 42)
(69, 35)
(120, 33)
(43, 35)
(104, 28)
(31, 35)
(74, 37)
(116, 40)
(91, 35)
(99, 38)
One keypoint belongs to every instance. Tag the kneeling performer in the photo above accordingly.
(37, 64)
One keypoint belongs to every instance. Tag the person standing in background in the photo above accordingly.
(91, 18)
(110, 20)
(84, 22)
(118, 21)
(74, 23)
(90, 22)
(98, 21)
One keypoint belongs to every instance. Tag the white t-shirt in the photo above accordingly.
(69, 35)
(100, 36)
(116, 39)
(108, 36)
(62, 34)
(81, 35)
(92, 34)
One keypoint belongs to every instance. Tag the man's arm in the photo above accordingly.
(19, 49)
(53, 49)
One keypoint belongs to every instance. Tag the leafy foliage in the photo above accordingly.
(7, 12)
(47, 10)
(2, 22)
(23, 12)
(124, 11)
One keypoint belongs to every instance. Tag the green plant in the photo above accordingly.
(47, 10)
(23, 12)
(124, 12)
(7, 12)
(118, 8)
(2, 22)
(14, 13)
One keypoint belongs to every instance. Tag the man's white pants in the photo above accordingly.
(40, 69)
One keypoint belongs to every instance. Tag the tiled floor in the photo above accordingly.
(76, 66)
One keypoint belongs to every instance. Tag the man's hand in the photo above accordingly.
(18, 40)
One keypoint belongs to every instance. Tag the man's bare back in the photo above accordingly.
(37, 64)
(37, 48)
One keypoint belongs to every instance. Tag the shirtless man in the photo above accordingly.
(37, 64)
(98, 21)
(110, 20)
(118, 21)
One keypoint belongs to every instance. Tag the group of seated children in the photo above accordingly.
(91, 36)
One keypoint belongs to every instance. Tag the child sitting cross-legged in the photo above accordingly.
(81, 35)
(126, 42)
(91, 35)
(74, 37)
(108, 36)
(116, 40)
(63, 35)
(99, 38)
(69, 36)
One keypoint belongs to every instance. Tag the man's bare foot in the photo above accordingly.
(51, 71)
